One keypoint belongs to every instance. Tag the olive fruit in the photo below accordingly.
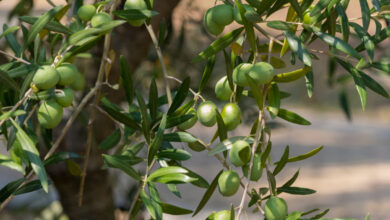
(222, 89)
(100, 19)
(276, 208)
(256, 171)
(212, 27)
(136, 4)
(240, 72)
(67, 72)
(86, 12)
(240, 153)
(49, 114)
(228, 183)
(45, 77)
(222, 215)
(190, 122)
(237, 15)
(262, 73)
(66, 98)
(207, 114)
(221, 15)
(231, 115)
(78, 83)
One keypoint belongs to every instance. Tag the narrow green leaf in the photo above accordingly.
(40, 24)
(176, 178)
(149, 204)
(263, 6)
(294, 215)
(8, 162)
(200, 182)
(174, 154)
(181, 95)
(296, 190)
(306, 155)
(249, 31)
(29, 187)
(117, 115)
(176, 120)
(207, 195)
(344, 22)
(60, 156)
(118, 161)
(222, 131)
(180, 136)
(73, 168)
(227, 144)
(33, 155)
(134, 149)
(12, 114)
(219, 44)
(280, 25)
(292, 179)
(273, 96)
(127, 81)
(111, 141)
(164, 171)
(320, 215)
(9, 189)
(157, 140)
(174, 210)
(343, 101)
(292, 117)
(207, 72)
(365, 14)
(297, 8)
(282, 162)
(54, 26)
(8, 81)
(153, 100)
(298, 47)
(135, 14)
(309, 81)
(156, 201)
(9, 30)
(366, 38)
(373, 85)
(12, 42)
(162, 33)
(254, 198)
(144, 116)
(272, 181)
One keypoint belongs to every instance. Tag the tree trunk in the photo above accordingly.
(134, 44)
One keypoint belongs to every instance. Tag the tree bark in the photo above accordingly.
(134, 44)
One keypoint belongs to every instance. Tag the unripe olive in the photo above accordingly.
(240, 153)
(221, 15)
(100, 19)
(256, 171)
(206, 113)
(228, 183)
(231, 115)
(222, 89)
(86, 12)
(49, 114)
(45, 77)
(222, 215)
(262, 73)
(66, 98)
(240, 72)
(67, 72)
(237, 15)
(78, 83)
(276, 208)
(212, 27)
(190, 122)
(136, 4)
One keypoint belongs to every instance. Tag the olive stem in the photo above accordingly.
(14, 57)
(161, 58)
(106, 47)
(191, 90)
(16, 106)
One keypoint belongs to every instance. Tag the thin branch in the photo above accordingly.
(191, 90)
(14, 57)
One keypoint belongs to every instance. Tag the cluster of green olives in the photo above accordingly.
(217, 17)
(65, 76)
(88, 13)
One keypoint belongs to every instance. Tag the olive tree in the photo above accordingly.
(40, 81)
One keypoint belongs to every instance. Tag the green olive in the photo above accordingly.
(276, 208)
(231, 115)
(78, 83)
(240, 153)
(190, 122)
(228, 183)
(86, 12)
(222, 89)
(46, 77)
(100, 19)
(222, 215)
(221, 15)
(257, 171)
(49, 114)
(240, 72)
(66, 98)
(207, 113)
(262, 73)
(136, 4)
(237, 15)
(212, 27)
(67, 72)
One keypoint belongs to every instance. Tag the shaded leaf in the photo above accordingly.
(180, 96)
(118, 161)
(296, 190)
(174, 210)
(298, 47)
(126, 79)
(180, 136)
(292, 117)
(157, 140)
(174, 154)
(282, 162)
(111, 141)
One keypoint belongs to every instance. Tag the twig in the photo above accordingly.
(14, 57)
(161, 58)
(16, 106)
(191, 90)
(106, 47)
